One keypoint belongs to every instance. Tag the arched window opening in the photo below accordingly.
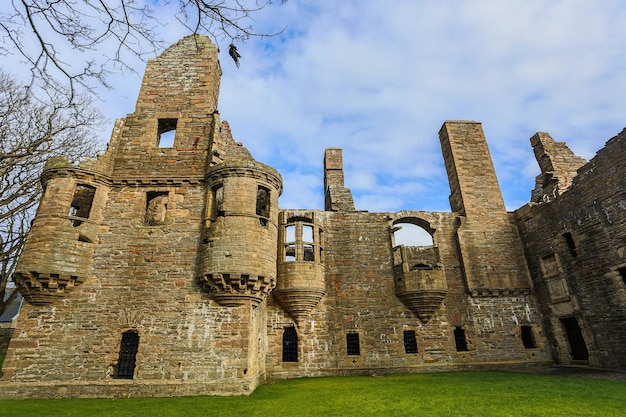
(290, 345)
(128, 355)
(410, 234)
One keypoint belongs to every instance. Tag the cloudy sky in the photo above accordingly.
(378, 79)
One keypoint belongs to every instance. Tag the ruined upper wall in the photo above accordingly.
(558, 166)
(178, 97)
(185, 75)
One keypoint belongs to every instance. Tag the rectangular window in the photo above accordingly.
(166, 133)
(290, 345)
(528, 338)
(263, 202)
(571, 245)
(352, 343)
(459, 339)
(128, 354)
(410, 342)
(81, 203)
(156, 207)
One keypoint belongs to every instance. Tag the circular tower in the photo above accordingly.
(238, 249)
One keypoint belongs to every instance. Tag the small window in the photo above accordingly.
(263, 202)
(571, 245)
(410, 342)
(290, 345)
(528, 338)
(128, 355)
(156, 207)
(217, 208)
(309, 252)
(459, 339)
(352, 343)
(81, 203)
(166, 132)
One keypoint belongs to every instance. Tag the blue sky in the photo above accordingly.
(378, 79)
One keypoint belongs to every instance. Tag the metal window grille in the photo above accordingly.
(128, 354)
(290, 345)
(352, 343)
(460, 340)
(410, 342)
(528, 338)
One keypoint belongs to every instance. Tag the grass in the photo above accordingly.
(441, 394)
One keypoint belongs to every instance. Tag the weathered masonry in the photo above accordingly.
(165, 267)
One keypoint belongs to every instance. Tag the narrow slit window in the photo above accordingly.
(290, 345)
(459, 339)
(352, 344)
(166, 133)
(571, 245)
(128, 355)
(263, 202)
(410, 342)
(217, 209)
(528, 338)
(290, 243)
(81, 203)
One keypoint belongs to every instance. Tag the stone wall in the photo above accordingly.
(576, 249)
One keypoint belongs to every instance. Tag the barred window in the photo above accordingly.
(352, 343)
(290, 345)
(410, 342)
(128, 354)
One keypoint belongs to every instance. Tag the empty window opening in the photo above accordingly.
(217, 203)
(156, 207)
(309, 252)
(352, 344)
(307, 233)
(410, 234)
(622, 272)
(128, 355)
(571, 245)
(290, 345)
(459, 339)
(167, 132)
(410, 342)
(575, 338)
(528, 338)
(290, 243)
(81, 203)
(263, 202)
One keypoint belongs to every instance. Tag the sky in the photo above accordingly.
(378, 79)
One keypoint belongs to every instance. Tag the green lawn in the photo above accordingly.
(440, 394)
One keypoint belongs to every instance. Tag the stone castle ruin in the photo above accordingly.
(165, 269)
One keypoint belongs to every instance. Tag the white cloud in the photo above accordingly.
(379, 79)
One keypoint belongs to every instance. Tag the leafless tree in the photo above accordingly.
(49, 34)
(31, 131)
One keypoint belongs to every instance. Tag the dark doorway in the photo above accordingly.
(290, 345)
(128, 353)
(576, 339)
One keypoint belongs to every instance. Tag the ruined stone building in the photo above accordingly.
(167, 268)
